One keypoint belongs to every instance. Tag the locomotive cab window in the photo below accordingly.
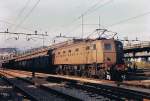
(107, 46)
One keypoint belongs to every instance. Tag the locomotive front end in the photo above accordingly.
(113, 59)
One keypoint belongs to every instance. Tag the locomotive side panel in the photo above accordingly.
(82, 53)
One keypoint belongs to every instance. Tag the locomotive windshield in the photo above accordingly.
(107, 46)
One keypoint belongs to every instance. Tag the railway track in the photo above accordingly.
(72, 92)
(94, 91)
(139, 74)
(113, 91)
(9, 92)
(33, 92)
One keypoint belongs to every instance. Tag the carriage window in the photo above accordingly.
(107, 46)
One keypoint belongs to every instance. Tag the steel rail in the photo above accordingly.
(34, 98)
(112, 91)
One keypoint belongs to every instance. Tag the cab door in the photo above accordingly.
(109, 52)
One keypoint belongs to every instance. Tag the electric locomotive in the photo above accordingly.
(101, 58)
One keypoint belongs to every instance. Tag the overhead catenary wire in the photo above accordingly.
(96, 8)
(128, 19)
(90, 10)
(29, 34)
(10, 23)
(122, 21)
(23, 9)
(27, 15)
(21, 12)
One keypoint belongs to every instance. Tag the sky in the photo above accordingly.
(129, 18)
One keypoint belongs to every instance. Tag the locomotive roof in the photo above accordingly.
(77, 41)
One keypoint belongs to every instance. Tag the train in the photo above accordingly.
(99, 58)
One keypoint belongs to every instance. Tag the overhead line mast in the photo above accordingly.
(90, 10)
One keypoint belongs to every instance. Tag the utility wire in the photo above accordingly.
(15, 25)
(21, 12)
(94, 8)
(123, 21)
(128, 19)
(90, 10)
(23, 9)
(27, 15)
(84, 13)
